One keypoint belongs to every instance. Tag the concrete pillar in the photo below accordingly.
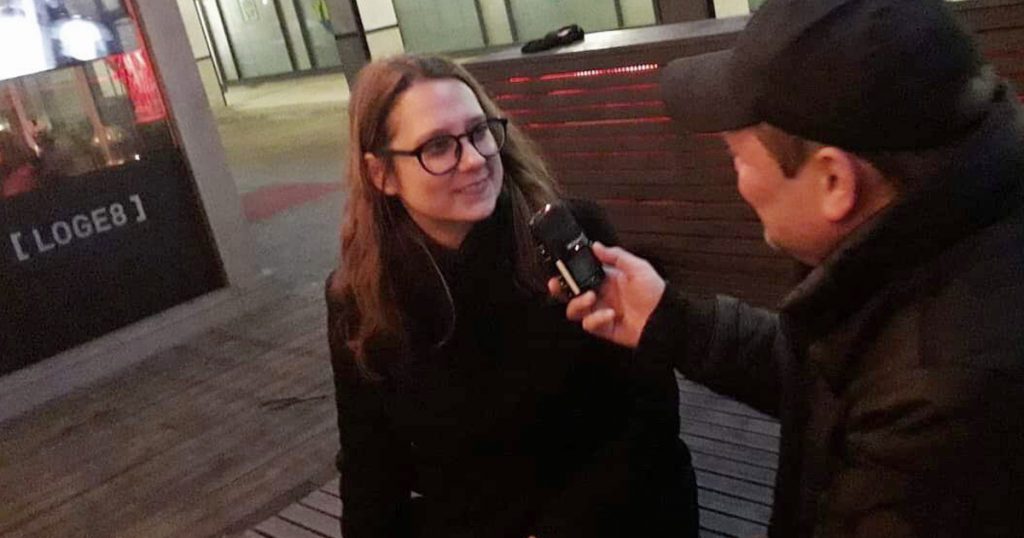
(349, 37)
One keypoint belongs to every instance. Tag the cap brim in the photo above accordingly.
(700, 94)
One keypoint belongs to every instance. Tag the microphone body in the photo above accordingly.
(565, 246)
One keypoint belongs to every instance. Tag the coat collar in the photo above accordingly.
(983, 183)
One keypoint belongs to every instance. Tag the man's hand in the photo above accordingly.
(628, 295)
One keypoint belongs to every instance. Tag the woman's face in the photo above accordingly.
(444, 206)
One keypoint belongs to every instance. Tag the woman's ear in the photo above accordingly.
(378, 172)
(839, 183)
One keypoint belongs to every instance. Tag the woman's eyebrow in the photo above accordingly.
(469, 124)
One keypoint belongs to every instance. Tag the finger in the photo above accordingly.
(600, 322)
(581, 306)
(618, 257)
(555, 289)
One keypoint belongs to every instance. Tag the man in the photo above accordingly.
(876, 147)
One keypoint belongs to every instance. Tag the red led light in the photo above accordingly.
(586, 73)
(628, 87)
(591, 123)
(624, 70)
(600, 106)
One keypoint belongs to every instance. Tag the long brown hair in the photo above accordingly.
(372, 221)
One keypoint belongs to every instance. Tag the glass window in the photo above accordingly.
(74, 120)
(535, 18)
(53, 33)
(439, 25)
(99, 223)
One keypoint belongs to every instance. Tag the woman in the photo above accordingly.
(457, 379)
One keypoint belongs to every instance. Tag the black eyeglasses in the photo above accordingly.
(441, 154)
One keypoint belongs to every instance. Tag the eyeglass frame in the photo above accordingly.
(418, 150)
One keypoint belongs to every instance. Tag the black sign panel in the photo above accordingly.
(98, 252)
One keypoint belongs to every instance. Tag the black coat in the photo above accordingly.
(896, 367)
(518, 424)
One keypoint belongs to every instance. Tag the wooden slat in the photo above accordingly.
(590, 113)
(737, 488)
(730, 420)
(639, 222)
(323, 502)
(980, 19)
(730, 526)
(688, 198)
(313, 520)
(746, 473)
(730, 451)
(727, 504)
(738, 437)
(332, 487)
(709, 245)
(276, 527)
(538, 98)
(541, 130)
(719, 404)
(721, 179)
(709, 147)
(681, 164)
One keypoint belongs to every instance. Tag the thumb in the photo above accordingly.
(618, 258)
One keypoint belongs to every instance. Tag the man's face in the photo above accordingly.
(786, 206)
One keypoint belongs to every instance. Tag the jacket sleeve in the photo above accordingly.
(934, 452)
(373, 461)
(728, 346)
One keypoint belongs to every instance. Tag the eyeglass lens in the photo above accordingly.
(442, 154)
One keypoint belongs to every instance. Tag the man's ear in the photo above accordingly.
(378, 171)
(838, 183)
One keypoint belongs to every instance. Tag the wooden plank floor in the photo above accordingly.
(735, 454)
(219, 436)
(188, 443)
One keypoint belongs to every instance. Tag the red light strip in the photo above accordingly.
(586, 73)
(628, 87)
(600, 106)
(588, 123)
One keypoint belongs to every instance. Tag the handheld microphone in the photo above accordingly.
(564, 245)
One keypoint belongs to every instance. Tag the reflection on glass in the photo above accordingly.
(54, 33)
(66, 122)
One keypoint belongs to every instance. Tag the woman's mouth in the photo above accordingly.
(476, 187)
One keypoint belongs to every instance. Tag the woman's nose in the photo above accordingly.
(471, 157)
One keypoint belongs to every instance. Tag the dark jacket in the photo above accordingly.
(518, 424)
(897, 367)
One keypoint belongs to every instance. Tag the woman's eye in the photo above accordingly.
(481, 131)
(438, 146)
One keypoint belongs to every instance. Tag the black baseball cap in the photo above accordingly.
(858, 74)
